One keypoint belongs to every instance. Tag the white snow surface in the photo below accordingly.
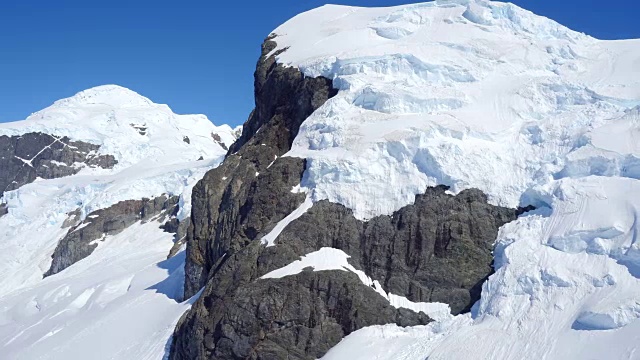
(479, 94)
(123, 300)
(119, 303)
(270, 238)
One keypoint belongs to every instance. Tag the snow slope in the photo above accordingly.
(124, 299)
(479, 94)
(120, 303)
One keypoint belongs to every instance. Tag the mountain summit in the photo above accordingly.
(110, 95)
(87, 183)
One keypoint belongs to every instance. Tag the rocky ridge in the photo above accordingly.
(438, 249)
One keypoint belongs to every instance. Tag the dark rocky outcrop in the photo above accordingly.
(237, 203)
(296, 317)
(26, 157)
(141, 129)
(284, 99)
(80, 239)
(179, 229)
(231, 205)
(3, 209)
(73, 218)
(219, 141)
(228, 203)
(438, 249)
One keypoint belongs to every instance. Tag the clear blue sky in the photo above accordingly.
(196, 56)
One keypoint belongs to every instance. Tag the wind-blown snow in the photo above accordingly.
(479, 94)
(270, 238)
(124, 299)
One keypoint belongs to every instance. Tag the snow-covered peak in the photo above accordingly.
(158, 153)
(110, 95)
(129, 126)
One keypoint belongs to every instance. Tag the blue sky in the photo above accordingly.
(196, 56)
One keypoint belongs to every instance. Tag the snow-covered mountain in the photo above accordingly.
(422, 181)
(478, 94)
(128, 126)
(125, 295)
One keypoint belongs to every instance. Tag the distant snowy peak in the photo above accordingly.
(129, 126)
(110, 95)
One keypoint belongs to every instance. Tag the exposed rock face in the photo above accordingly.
(232, 204)
(27, 157)
(438, 249)
(80, 240)
(142, 129)
(179, 229)
(218, 141)
(73, 218)
(296, 317)
(284, 99)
